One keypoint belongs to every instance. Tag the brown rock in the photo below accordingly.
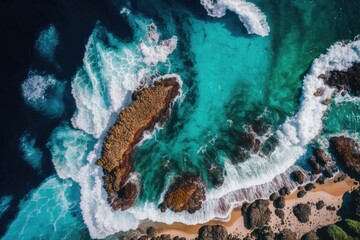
(319, 92)
(150, 106)
(185, 194)
(302, 212)
(217, 232)
(264, 233)
(301, 194)
(347, 152)
(279, 213)
(298, 177)
(348, 80)
(257, 214)
(279, 202)
(321, 156)
(273, 196)
(315, 166)
(327, 101)
(151, 232)
(284, 191)
(320, 204)
(309, 186)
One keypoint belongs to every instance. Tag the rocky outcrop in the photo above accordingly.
(185, 194)
(216, 232)
(298, 176)
(348, 80)
(256, 214)
(347, 152)
(302, 212)
(149, 107)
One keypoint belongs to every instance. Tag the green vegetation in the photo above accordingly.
(353, 226)
(336, 233)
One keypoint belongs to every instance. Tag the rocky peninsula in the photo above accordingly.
(150, 106)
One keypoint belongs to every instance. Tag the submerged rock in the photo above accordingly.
(302, 212)
(186, 193)
(216, 232)
(347, 152)
(149, 107)
(256, 214)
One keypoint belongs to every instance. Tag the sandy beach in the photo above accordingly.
(331, 193)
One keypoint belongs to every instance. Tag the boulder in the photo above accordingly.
(301, 194)
(302, 212)
(320, 180)
(216, 232)
(321, 156)
(320, 204)
(298, 177)
(186, 193)
(347, 152)
(309, 186)
(257, 214)
(279, 202)
(273, 196)
(284, 191)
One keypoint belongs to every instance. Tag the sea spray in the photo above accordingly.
(249, 14)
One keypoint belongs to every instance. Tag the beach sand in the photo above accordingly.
(331, 193)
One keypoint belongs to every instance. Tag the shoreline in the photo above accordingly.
(330, 192)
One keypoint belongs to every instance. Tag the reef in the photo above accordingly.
(150, 106)
(186, 193)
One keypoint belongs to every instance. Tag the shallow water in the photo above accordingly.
(230, 79)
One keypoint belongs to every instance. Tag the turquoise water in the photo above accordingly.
(230, 79)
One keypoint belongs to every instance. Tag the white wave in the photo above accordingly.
(104, 85)
(31, 154)
(47, 42)
(44, 93)
(249, 14)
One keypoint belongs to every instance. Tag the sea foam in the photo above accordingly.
(249, 14)
(44, 93)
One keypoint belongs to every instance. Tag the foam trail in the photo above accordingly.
(44, 93)
(249, 14)
(31, 154)
(104, 85)
(47, 42)
(5, 204)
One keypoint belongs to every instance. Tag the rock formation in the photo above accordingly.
(348, 80)
(149, 107)
(256, 214)
(347, 152)
(298, 176)
(216, 232)
(302, 212)
(185, 194)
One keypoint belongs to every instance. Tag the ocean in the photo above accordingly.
(246, 67)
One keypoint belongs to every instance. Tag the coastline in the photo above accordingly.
(330, 192)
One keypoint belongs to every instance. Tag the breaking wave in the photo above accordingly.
(249, 14)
